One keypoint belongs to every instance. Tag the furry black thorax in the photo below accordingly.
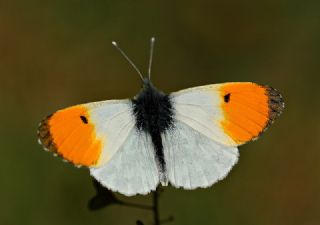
(154, 115)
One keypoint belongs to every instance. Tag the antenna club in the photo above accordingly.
(127, 58)
(150, 57)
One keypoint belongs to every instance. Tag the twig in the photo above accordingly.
(156, 207)
(105, 197)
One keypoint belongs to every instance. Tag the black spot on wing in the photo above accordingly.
(84, 119)
(227, 98)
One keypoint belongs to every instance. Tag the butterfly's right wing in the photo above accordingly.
(210, 122)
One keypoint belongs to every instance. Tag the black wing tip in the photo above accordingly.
(44, 136)
(45, 139)
(275, 103)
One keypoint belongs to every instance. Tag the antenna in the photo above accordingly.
(127, 58)
(152, 40)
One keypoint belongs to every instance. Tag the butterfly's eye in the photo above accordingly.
(84, 119)
(227, 98)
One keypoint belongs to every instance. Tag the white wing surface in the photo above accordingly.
(194, 160)
(133, 169)
(200, 108)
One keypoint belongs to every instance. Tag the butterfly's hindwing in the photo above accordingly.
(194, 160)
(133, 169)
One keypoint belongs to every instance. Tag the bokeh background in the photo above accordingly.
(57, 53)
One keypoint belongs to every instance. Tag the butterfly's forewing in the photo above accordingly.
(88, 134)
(230, 113)
(210, 121)
(248, 109)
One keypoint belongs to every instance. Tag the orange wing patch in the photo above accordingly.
(248, 109)
(70, 133)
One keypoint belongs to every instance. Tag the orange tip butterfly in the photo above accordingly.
(187, 138)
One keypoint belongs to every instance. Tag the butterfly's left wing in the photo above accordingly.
(133, 169)
(210, 122)
(103, 137)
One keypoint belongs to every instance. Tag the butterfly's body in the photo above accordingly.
(153, 113)
(187, 138)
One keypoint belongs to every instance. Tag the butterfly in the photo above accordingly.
(187, 138)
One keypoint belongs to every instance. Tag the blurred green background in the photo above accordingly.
(58, 53)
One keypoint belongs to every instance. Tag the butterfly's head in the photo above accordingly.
(146, 86)
(146, 83)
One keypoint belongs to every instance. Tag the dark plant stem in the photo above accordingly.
(156, 207)
(105, 197)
